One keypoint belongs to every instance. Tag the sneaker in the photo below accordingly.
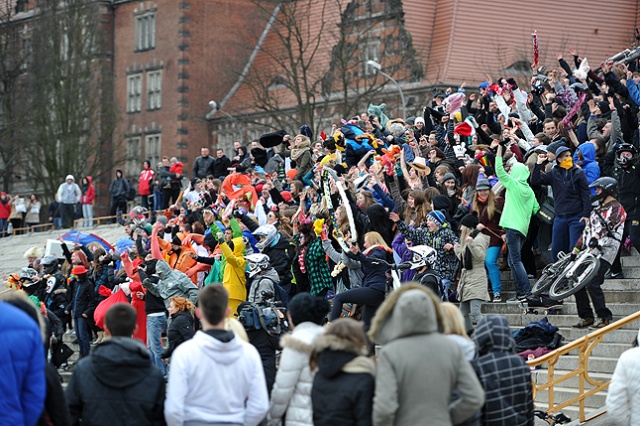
(70, 331)
(497, 298)
(601, 323)
(531, 276)
(517, 299)
(614, 275)
(584, 323)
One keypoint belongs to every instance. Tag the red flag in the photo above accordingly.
(536, 49)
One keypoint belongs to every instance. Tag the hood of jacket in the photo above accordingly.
(225, 353)
(407, 311)
(493, 335)
(520, 173)
(89, 180)
(186, 314)
(336, 354)
(588, 154)
(121, 362)
(270, 274)
(238, 246)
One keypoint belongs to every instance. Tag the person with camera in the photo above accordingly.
(261, 303)
(604, 230)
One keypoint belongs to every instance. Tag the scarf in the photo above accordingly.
(299, 151)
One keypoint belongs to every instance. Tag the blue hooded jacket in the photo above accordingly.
(588, 164)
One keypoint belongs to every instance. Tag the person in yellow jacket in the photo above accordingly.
(233, 276)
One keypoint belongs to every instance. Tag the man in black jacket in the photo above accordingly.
(620, 164)
(221, 165)
(83, 302)
(571, 198)
(203, 165)
(117, 384)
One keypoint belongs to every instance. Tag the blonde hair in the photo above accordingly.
(452, 320)
(182, 304)
(375, 239)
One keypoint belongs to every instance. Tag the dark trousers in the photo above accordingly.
(631, 230)
(144, 201)
(67, 213)
(369, 297)
(82, 334)
(170, 196)
(118, 204)
(594, 291)
(566, 232)
(526, 252)
(266, 346)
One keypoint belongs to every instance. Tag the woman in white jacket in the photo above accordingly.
(292, 390)
(623, 397)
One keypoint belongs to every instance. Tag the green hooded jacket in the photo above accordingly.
(519, 202)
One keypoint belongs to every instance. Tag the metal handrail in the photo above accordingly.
(585, 346)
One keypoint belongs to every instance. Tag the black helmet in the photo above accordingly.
(608, 185)
(49, 264)
(626, 147)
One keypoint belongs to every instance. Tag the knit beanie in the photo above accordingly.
(470, 221)
(437, 217)
(441, 202)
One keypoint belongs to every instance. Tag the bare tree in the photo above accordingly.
(14, 54)
(73, 113)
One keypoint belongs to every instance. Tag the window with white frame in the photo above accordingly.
(134, 93)
(154, 89)
(152, 149)
(370, 54)
(133, 164)
(146, 31)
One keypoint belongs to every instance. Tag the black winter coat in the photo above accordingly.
(117, 385)
(281, 257)
(203, 166)
(82, 299)
(220, 166)
(628, 184)
(180, 330)
(340, 397)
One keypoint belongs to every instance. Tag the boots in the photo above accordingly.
(100, 338)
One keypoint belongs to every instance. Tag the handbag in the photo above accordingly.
(547, 212)
(60, 353)
(503, 249)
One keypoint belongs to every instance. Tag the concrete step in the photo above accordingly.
(631, 297)
(621, 336)
(562, 394)
(630, 261)
(596, 364)
(569, 308)
(557, 320)
(541, 376)
(626, 284)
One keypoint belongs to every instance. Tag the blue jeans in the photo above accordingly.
(447, 285)
(4, 224)
(87, 214)
(155, 326)
(82, 334)
(157, 200)
(491, 263)
(515, 241)
(57, 223)
(565, 234)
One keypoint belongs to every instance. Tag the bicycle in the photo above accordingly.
(550, 273)
(552, 418)
(579, 272)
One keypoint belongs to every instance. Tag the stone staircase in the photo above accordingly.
(623, 299)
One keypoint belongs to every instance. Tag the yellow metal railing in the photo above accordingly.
(584, 346)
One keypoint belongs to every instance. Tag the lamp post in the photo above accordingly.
(378, 68)
(214, 109)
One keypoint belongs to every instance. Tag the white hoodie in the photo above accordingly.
(623, 397)
(216, 382)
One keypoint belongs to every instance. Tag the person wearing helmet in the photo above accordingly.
(264, 279)
(620, 164)
(605, 225)
(262, 290)
(280, 251)
(423, 259)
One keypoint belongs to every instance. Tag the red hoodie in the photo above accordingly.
(5, 207)
(144, 183)
(88, 194)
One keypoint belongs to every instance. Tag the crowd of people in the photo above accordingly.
(262, 249)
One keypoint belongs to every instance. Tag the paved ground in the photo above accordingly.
(12, 248)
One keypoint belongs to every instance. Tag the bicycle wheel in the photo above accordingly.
(549, 275)
(586, 271)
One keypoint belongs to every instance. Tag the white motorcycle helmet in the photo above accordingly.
(269, 234)
(422, 256)
(257, 263)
